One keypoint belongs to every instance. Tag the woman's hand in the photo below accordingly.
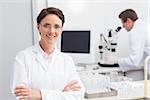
(72, 86)
(24, 93)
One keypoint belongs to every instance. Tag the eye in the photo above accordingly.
(46, 25)
(57, 26)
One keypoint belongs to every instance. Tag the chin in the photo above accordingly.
(128, 30)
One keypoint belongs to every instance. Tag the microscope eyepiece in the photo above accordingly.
(118, 29)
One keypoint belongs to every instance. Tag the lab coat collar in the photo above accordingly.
(40, 54)
(44, 54)
(38, 50)
(137, 24)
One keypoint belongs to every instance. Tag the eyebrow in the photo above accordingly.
(46, 24)
(50, 24)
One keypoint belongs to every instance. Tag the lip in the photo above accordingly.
(49, 36)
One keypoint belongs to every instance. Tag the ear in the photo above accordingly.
(38, 26)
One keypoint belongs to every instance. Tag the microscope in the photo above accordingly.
(108, 46)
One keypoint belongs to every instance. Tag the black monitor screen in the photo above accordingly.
(75, 41)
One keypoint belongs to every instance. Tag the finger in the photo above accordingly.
(75, 84)
(20, 90)
(78, 86)
(22, 94)
(72, 82)
(70, 85)
(75, 87)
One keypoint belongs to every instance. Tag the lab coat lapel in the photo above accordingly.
(38, 57)
(41, 61)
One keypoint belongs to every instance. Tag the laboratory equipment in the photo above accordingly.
(112, 39)
(108, 46)
(96, 85)
(128, 89)
(77, 44)
(146, 64)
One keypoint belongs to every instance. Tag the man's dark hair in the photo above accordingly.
(128, 13)
(50, 10)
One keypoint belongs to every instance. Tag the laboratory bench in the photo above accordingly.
(98, 73)
(97, 68)
(134, 92)
(136, 74)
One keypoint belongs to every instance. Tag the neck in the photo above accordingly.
(48, 49)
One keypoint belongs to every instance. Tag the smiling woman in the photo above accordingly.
(41, 72)
(50, 31)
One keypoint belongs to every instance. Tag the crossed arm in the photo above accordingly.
(23, 92)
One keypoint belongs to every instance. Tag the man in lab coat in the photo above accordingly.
(139, 40)
(41, 72)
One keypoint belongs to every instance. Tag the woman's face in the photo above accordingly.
(50, 28)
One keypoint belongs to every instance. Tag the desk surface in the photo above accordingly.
(127, 97)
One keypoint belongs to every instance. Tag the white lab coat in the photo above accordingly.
(139, 47)
(33, 68)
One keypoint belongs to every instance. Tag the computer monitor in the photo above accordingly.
(77, 43)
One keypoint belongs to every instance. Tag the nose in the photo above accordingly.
(51, 30)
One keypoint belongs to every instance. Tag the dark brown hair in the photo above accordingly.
(50, 10)
(128, 13)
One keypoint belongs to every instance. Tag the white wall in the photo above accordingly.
(16, 29)
(81, 15)
(15, 35)
(99, 16)
(37, 6)
(0, 49)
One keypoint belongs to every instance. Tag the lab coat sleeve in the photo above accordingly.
(19, 77)
(72, 95)
(135, 58)
(59, 95)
